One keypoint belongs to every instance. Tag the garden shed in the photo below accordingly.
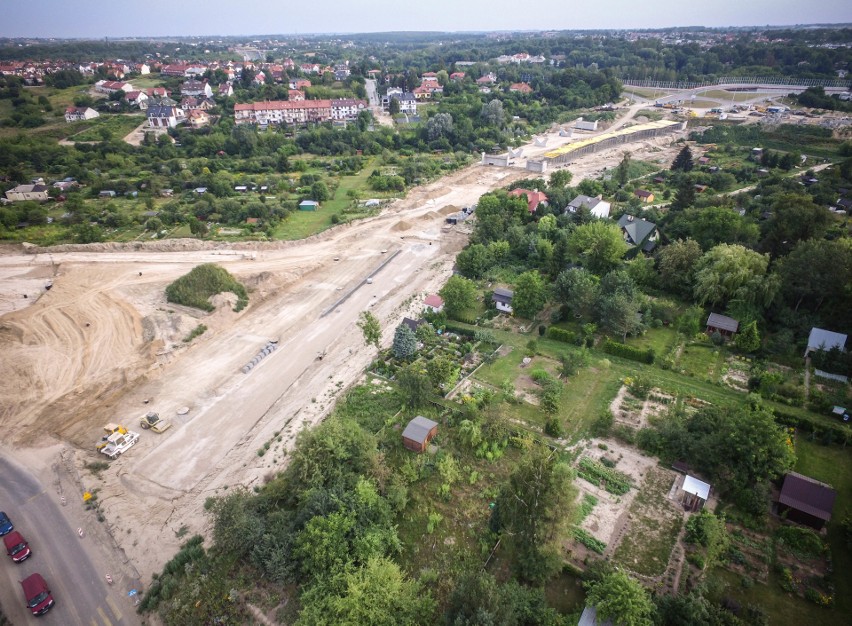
(503, 299)
(806, 501)
(695, 493)
(722, 324)
(821, 339)
(590, 618)
(419, 433)
(308, 205)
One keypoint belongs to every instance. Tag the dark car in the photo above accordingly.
(17, 547)
(5, 524)
(37, 593)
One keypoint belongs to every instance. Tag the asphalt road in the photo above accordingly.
(80, 591)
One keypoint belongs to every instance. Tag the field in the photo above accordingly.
(108, 127)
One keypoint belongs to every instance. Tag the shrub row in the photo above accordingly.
(628, 352)
(565, 336)
(831, 432)
(590, 542)
(601, 476)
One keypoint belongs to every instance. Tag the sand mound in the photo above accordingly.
(431, 215)
(401, 225)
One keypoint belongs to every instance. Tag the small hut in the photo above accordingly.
(419, 433)
(695, 493)
(722, 324)
(806, 501)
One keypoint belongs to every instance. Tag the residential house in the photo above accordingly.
(164, 117)
(520, 88)
(157, 92)
(310, 68)
(644, 195)
(198, 118)
(806, 501)
(434, 303)
(502, 299)
(308, 205)
(175, 70)
(112, 86)
(488, 79)
(418, 433)
(21, 193)
(190, 103)
(137, 98)
(225, 90)
(534, 197)
(300, 83)
(407, 101)
(259, 79)
(346, 108)
(639, 233)
(456, 76)
(722, 324)
(597, 206)
(294, 95)
(76, 114)
(196, 88)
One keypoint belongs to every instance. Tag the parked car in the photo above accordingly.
(5, 524)
(17, 547)
(37, 593)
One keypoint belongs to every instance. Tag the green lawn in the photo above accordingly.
(118, 126)
(660, 339)
(301, 224)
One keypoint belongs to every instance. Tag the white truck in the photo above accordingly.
(118, 443)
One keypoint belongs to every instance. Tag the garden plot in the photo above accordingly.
(604, 520)
(646, 541)
(633, 411)
(526, 389)
(735, 373)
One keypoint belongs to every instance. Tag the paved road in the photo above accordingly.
(81, 593)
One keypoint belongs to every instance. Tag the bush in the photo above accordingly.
(565, 336)
(553, 427)
(802, 541)
(459, 330)
(628, 352)
(590, 542)
(603, 424)
(195, 289)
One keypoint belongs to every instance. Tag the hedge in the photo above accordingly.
(628, 352)
(560, 334)
(822, 425)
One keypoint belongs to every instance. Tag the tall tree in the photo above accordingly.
(371, 329)
(530, 294)
(537, 506)
(622, 600)
(729, 272)
(474, 260)
(677, 264)
(578, 288)
(459, 295)
(817, 272)
(748, 339)
(622, 171)
(683, 161)
(415, 384)
(377, 593)
(795, 218)
(404, 342)
(599, 245)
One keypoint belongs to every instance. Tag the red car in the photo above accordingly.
(17, 547)
(37, 593)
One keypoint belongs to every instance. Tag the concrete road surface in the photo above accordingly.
(80, 591)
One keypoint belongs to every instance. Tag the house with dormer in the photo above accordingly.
(638, 233)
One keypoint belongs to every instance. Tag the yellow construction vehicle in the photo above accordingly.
(110, 429)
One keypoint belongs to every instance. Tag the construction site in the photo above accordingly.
(103, 346)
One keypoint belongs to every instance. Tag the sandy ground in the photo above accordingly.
(103, 345)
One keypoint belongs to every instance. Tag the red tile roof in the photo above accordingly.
(534, 198)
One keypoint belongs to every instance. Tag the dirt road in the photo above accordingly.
(103, 345)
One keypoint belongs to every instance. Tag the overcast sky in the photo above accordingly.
(151, 18)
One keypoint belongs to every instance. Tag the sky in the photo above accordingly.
(154, 18)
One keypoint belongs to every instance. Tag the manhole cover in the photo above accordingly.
(183, 410)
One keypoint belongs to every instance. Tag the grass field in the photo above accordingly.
(118, 127)
(302, 224)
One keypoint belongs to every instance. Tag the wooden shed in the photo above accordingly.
(694, 493)
(419, 433)
(806, 501)
(724, 325)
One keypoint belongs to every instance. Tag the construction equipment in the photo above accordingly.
(110, 430)
(118, 443)
(154, 422)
